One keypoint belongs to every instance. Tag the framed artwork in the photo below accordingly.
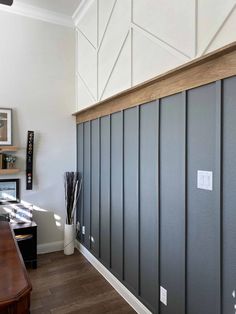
(22, 213)
(9, 191)
(5, 126)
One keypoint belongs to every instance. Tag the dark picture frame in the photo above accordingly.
(9, 191)
(5, 127)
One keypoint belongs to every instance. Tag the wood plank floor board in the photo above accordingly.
(70, 284)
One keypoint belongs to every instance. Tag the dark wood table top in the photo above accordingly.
(23, 225)
(14, 280)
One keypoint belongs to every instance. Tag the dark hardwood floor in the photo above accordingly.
(70, 284)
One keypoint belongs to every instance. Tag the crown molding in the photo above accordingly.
(39, 14)
(81, 10)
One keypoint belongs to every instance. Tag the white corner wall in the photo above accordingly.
(123, 43)
(37, 81)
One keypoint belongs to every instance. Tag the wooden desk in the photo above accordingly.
(15, 286)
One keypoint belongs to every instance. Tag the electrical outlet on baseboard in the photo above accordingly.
(83, 229)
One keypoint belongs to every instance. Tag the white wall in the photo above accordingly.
(123, 43)
(37, 81)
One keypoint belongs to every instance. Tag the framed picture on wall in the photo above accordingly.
(9, 191)
(5, 126)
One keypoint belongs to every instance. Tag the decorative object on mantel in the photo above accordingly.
(29, 160)
(10, 161)
(5, 126)
(72, 184)
(5, 157)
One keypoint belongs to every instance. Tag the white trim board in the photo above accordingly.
(50, 247)
(116, 284)
(48, 15)
(81, 11)
(38, 14)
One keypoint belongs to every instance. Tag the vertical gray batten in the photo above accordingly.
(158, 309)
(83, 187)
(149, 186)
(99, 178)
(131, 223)
(229, 195)
(203, 256)
(95, 138)
(172, 207)
(122, 180)
(110, 190)
(80, 152)
(105, 190)
(116, 194)
(218, 177)
(138, 200)
(87, 180)
(90, 147)
(185, 101)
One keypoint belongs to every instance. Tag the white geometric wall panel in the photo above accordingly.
(88, 24)
(152, 59)
(84, 97)
(87, 64)
(212, 15)
(121, 75)
(104, 12)
(113, 41)
(225, 34)
(122, 43)
(171, 21)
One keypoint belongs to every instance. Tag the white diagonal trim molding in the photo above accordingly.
(86, 86)
(108, 22)
(117, 58)
(97, 22)
(131, 57)
(218, 30)
(39, 14)
(132, 45)
(173, 50)
(132, 11)
(97, 56)
(79, 30)
(76, 68)
(196, 28)
(81, 10)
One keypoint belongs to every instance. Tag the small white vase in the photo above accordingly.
(69, 239)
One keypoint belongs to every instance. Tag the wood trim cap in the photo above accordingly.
(214, 66)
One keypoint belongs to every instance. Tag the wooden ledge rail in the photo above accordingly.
(214, 66)
(4, 149)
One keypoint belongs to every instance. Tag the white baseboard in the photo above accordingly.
(116, 284)
(50, 247)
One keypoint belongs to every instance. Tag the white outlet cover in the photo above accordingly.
(163, 295)
(205, 180)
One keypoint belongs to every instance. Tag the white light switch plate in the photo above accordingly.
(205, 180)
(163, 295)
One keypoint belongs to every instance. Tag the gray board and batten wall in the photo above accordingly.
(145, 217)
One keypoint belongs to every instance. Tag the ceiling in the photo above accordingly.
(66, 7)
